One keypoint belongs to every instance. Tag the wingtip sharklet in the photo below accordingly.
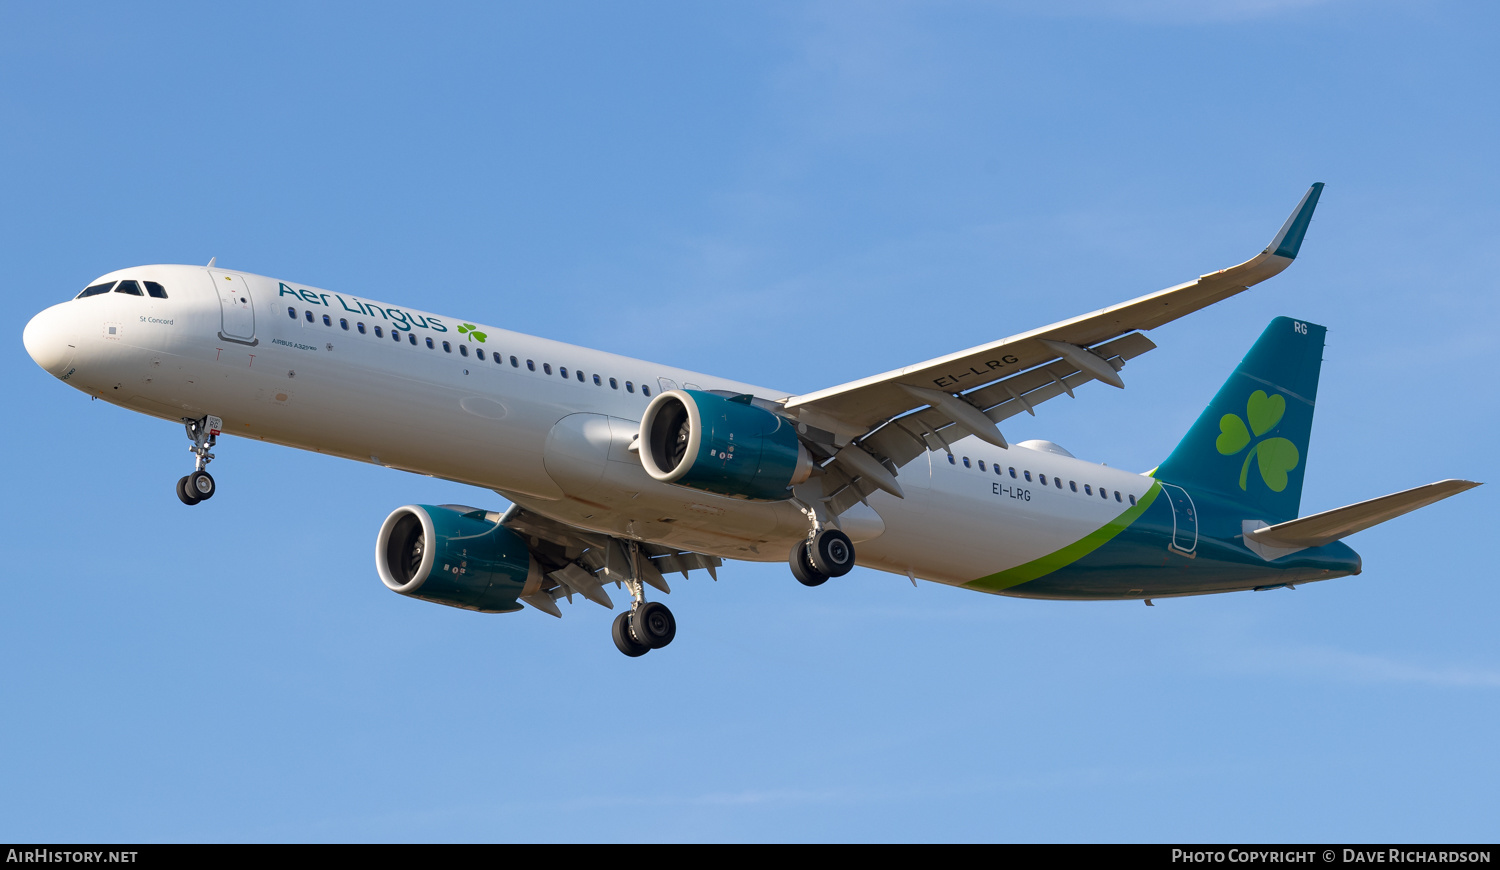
(1289, 240)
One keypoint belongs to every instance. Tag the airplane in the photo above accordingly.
(622, 471)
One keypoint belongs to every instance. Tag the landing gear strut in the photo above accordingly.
(646, 625)
(199, 486)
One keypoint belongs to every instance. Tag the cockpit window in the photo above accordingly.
(155, 290)
(129, 287)
(95, 290)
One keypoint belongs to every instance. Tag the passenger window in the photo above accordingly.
(530, 366)
(447, 348)
(155, 290)
(1012, 472)
(981, 465)
(1041, 478)
(597, 382)
(563, 370)
(344, 323)
(1028, 476)
(580, 376)
(430, 345)
(361, 326)
(1058, 481)
(463, 349)
(629, 387)
(1117, 495)
(1073, 485)
(308, 315)
(412, 338)
(291, 312)
(645, 390)
(129, 288)
(951, 461)
(1132, 499)
(614, 384)
(547, 368)
(515, 364)
(1087, 490)
(966, 463)
(479, 352)
(95, 290)
(999, 472)
(327, 321)
(1103, 493)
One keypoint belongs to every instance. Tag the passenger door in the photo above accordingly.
(1184, 520)
(236, 307)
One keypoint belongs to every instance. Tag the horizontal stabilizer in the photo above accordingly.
(1330, 526)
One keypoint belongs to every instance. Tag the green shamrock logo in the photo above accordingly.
(472, 331)
(1276, 456)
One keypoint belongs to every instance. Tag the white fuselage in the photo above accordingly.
(519, 420)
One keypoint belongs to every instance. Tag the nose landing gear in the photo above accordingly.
(199, 486)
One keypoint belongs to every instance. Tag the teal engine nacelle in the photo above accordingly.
(455, 556)
(723, 445)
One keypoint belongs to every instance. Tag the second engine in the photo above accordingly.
(723, 445)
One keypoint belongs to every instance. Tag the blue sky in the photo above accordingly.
(788, 194)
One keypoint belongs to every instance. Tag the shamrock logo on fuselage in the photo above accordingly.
(1276, 456)
(472, 331)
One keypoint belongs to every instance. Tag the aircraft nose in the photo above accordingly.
(52, 339)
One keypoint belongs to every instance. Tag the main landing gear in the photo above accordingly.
(824, 553)
(646, 625)
(199, 486)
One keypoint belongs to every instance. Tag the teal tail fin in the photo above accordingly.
(1250, 444)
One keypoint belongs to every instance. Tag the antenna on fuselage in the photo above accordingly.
(211, 262)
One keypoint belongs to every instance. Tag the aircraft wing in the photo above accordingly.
(896, 416)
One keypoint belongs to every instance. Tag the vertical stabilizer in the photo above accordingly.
(1251, 443)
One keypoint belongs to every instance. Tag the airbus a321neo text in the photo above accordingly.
(622, 472)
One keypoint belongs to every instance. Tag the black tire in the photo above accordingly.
(653, 625)
(832, 553)
(623, 639)
(182, 492)
(200, 484)
(803, 569)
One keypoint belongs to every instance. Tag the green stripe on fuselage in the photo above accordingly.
(1069, 554)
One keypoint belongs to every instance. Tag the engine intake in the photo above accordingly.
(454, 556)
(722, 445)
